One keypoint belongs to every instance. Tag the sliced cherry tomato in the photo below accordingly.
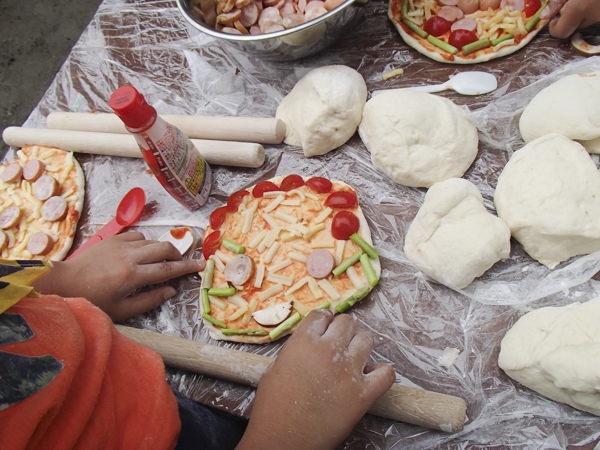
(437, 26)
(291, 182)
(262, 187)
(235, 200)
(319, 184)
(217, 217)
(460, 38)
(211, 244)
(531, 7)
(342, 199)
(344, 225)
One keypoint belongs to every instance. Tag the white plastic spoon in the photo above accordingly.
(466, 83)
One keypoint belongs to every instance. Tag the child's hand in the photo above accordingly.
(574, 14)
(108, 272)
(318, 388)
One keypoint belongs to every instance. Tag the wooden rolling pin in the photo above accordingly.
(242, 129)
(239, 154)
(401, 403)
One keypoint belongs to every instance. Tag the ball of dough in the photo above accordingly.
(556, 352)
(418, 139)
(549, 196)
(324, 109)
(570, 107)
(453, 238)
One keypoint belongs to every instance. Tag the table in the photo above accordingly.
(147, 44)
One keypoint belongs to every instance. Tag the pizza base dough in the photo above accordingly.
(364, 232)
(453, 238)
(324, 109)
(418, 139)
(570, 107)
(556, 351)
(549, 196)
(426, 48)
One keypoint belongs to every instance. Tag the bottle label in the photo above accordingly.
(176, 163)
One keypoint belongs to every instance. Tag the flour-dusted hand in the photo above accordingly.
(110, 271)
(574, 14)
(318, 388)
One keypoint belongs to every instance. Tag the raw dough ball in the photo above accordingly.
(416, 138)
(324, 109)
(570, 107)
(549, 196)
(556, 352)
(454, 239)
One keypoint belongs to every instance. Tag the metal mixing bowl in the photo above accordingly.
(294, 43)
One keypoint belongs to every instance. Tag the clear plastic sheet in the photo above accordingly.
(180, 71)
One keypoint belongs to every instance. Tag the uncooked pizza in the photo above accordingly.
(281, 249)
(467, 31)
(42, 197)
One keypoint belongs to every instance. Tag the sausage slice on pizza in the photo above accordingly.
(280, 249)
(467, 31)
(42, 196)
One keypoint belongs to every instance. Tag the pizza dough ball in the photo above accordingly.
(324, 109)
(418, 139)
(556, 352)
(549, 196)
(453, 238)
(570, 107)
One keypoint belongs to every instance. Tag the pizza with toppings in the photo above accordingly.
(280, 249)
(467, 31)
(42, 197)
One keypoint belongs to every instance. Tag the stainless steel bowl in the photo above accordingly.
(294, 43)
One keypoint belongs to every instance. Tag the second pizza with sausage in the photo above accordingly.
(280, 249)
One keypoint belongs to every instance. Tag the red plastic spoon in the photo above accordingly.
(128, 212)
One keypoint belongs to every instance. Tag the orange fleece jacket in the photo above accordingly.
(110, 394)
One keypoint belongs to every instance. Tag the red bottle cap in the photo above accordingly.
(131, 107)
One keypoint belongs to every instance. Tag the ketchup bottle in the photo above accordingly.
(174, 160)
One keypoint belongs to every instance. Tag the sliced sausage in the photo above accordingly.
(269, 16)
(301, 5)
(515, 5)
(231, 30)
(255, 29)
(45, 187)
(241, 28)
(239, 270)
(331, 4)
(468, 6)
(464, 24)
(250, 15)
(230, 17)
(270, 317)
(3, 240)
(40, 244)
(33, 169)
(315, 4)
(270, 3)
(287, 9)
(12, 173)
(293, 20)
(448, 2)
(484, 5)
(320, 263)
(10, 217)
(314, 12)
(450, 13)
(54, 208)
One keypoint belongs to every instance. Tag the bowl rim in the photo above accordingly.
(185, 11)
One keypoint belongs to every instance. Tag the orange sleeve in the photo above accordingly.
(111, 392)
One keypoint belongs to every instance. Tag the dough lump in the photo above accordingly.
(556, 352)
(570, 107)
(453, 238)
(418, 139)
(549, 196)
(324, 109)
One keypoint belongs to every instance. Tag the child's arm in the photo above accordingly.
(574, 14)
(318, 388)
(108, 272)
